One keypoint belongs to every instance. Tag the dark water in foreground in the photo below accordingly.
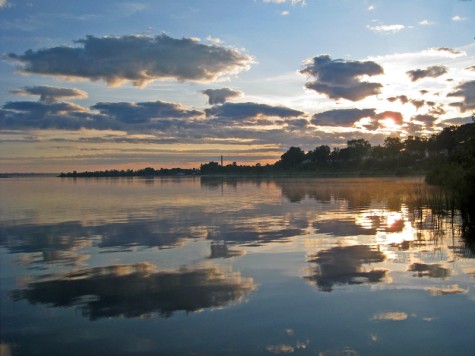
(206, 266)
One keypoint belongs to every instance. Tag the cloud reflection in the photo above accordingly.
(429, 270)
(138, 290)
(344, 265)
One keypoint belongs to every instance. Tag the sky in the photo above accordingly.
(95, 85)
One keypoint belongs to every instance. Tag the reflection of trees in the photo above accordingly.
(342, 227)
(221, 250)
(359, 192)
(344, 265)
(137, 290)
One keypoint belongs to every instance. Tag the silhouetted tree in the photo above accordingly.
(393, 146)
(358, 149)
(292, 158)
(319, 154)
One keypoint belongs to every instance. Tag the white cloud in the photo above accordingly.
(293, 2)
(458, 18)
(285, 13)
(214, 40)
(387, 28)
(371, 8)
(425, 23)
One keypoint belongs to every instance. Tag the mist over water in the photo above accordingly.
(239, 266)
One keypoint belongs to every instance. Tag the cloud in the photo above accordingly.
(348, 118)
(102, 116)
(471, 68)
(427, 120)
(138, 59)
(429, 72)
(342, 79)
(62, 116)
(402, 98)
(453, 51)
(168, 122)
(341, 117)
(50, 94)
(386, 28)
(250, 110)
(39, 107)
(292, 2)
(465, 90)
(458, 18)
(220, 96)
(425, 23)
(144, 112)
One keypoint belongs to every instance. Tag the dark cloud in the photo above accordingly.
(220, 96)
(139, 59)
(342, 79)
(238, 111)
(228, 123)
(50, 94)
(436, 109)
(42, 108)
(296, 123)
(402, 98)
(465, 90)
(99, 292)
(103, 116)
(472, 68)
(417, 103)
(348, 117)
(344, 265)
(341, 117)
(428, 120)
(456, 121)
(145, 111)
(62, 116)
(429, 72)
(449, 50)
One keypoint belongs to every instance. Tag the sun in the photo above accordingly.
(390, 124)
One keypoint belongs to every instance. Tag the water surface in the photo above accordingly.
(243, 266)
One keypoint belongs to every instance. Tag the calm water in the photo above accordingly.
(210, 266)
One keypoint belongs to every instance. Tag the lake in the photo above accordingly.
(214, 266)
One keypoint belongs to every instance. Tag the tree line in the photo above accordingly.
(396, 156)
(144, 172)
